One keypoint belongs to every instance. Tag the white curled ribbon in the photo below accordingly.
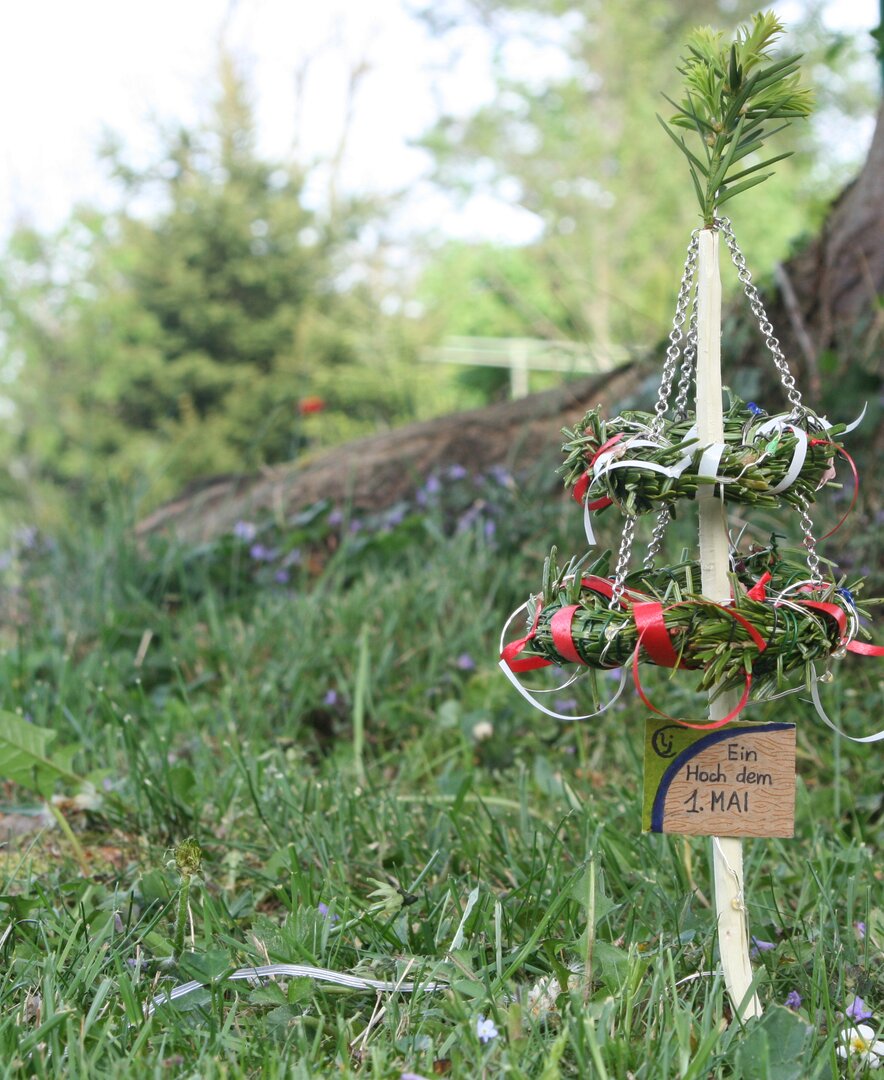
(814, 678)
(710, 460)
(613, 459)
(528, 695)
(587, 523)
(850, 427)
(799, 454)
(821, 713)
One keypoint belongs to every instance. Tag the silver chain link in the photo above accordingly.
(809, 542)
(687, 301)
(687, 367)
(764, 324)
(673, 351)
(681, 411)
(623, 560)
(664, 516)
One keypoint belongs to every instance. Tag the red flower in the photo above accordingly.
(311, 404)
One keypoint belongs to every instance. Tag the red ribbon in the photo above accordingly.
(560, 625)
(853, 469)
(527, 663)
(652, 633)
(653, 621)
(758, 590)
(864, 649)
(584, 481)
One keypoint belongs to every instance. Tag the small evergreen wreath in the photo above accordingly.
(776, 623)
(765, 461)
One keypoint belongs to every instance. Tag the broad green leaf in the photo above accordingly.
(774, 1047)
(24, 756)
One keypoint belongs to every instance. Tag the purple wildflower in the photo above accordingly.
(331, 697)
(490, 529)
(615, 674)
(335, 517)
(281, 577)
(457, 472)
(326, 912)
(753, 408)
(356, 526)
(500, 475)
(26, 536)
(860, 928)
(565, 704)
(858, 1010)
(466, 519)
(759, 946)
(793, 1000)
(433, 485)
(245, 530)
(465, 662)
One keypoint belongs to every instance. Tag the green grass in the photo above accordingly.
(196, 695)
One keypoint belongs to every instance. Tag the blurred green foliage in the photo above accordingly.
(571, 140)
(217, 332)
(230, 315)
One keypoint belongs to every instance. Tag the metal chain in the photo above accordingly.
(687, 367)
(764, 324)
(673, 350)
(623, 560)
(809, 542)
(664, 516)
(683, 303)
(689, 357)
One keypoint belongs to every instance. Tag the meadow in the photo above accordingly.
(316, 703)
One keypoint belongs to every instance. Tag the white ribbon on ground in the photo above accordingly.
(295, 971)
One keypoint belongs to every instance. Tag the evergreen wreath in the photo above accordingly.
(776, 623)
(765, 461)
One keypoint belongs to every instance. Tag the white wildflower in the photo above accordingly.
(483, 730)
(863, 1042)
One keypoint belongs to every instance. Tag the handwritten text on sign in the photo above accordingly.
(736, 781)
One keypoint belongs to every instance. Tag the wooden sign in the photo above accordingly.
(736, 781)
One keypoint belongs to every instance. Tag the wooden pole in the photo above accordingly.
(727, 852)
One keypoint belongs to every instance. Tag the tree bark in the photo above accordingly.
(378, 471)
(825, 295)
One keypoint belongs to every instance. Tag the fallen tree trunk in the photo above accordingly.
(378, 471)
(825, 296)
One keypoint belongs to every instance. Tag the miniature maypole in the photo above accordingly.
(746, 621)
(729, 97)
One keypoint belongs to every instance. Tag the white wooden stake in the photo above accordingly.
(727, 852)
